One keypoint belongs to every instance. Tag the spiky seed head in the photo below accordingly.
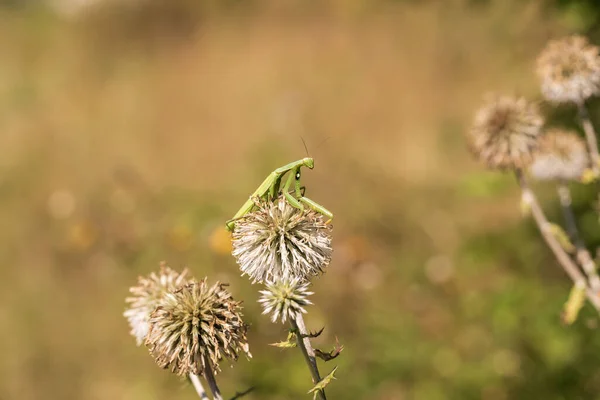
(562, 155)
(285, 299)
(505, 132)
(146, 295)
(196, 326)
(569, 70)
(278, 241)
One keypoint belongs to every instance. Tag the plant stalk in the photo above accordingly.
(305, 346)
(590, 135)
(210, 379)
(198, 386)
(582, 254)
(561, 255)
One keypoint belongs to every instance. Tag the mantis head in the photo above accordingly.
(308, 162)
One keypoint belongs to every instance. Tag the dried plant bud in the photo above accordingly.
(278, 241)
(146, 296)
(574, 304)
(285, 299)
(569, 70)
(332, 354)
(324, 382)
(562, 155)
(561, 236)
(505, 132)
(290, 342)
(196, 325)
(315, 334)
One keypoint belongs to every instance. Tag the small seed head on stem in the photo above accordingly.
(195, 325)
(278, 241)
(285, 299)
(505, 132)
(146, 296)
(569, 70)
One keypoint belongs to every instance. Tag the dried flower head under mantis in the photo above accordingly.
(562, 155)
(278, 241)
(146, 296)
(195, 325)
(569, 70)
(505, 132)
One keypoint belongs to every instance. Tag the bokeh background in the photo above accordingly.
(130, 131)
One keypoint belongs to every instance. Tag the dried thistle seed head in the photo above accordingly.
(196, 325)
(285, 299)
(146, 295)
(569, 70)
(278, 241)
(505, 132)
(562, 155)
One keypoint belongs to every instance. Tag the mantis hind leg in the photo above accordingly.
(317, 207)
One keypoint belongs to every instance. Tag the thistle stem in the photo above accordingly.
(590, 135)
(581, 252)
(198, 386)
(561, 255)
(307, 350)
(210, 379)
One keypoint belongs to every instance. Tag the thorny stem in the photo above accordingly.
(590, 135)
(198, 386)
(307, 350)
(581, 252)
(561, 255)
(210, 379)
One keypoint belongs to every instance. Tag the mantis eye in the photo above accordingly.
(297, 175)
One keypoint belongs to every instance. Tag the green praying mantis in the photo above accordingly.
(271, 187)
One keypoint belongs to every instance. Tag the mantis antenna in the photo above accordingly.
(305, 148)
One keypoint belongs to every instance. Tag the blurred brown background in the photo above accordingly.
(131, 131)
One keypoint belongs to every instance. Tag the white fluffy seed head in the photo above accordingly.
(569, 70)
(562, 155)
(146, 296)
(505, 132)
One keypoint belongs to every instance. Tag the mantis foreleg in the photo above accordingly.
(299, 201)
(267, 187)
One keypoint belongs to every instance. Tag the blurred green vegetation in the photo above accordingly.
(130, 133)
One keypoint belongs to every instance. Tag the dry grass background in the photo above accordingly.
(127, 140)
